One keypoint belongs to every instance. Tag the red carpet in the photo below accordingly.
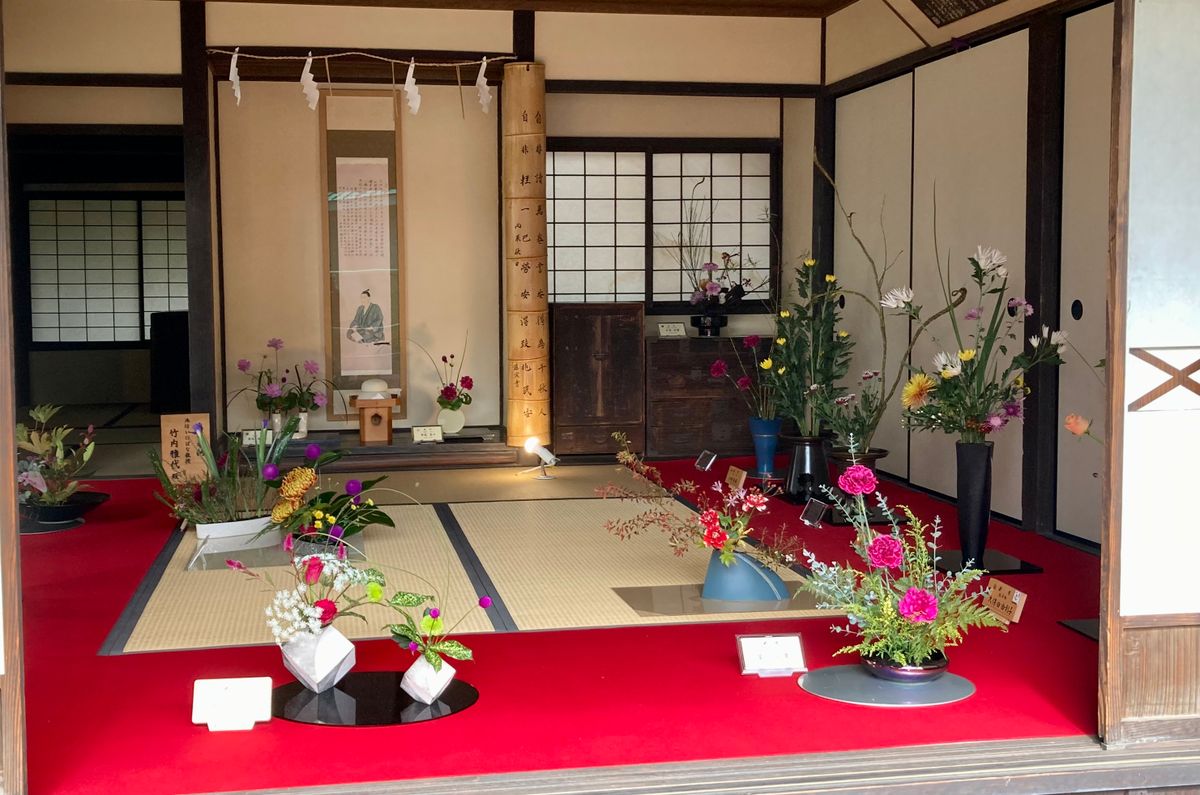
(548, 699)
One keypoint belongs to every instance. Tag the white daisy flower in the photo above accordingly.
(897, 298)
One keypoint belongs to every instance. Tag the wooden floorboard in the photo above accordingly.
(1074, 764)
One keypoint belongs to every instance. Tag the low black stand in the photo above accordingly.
(34, 527)
(1088, 627)
(367, 698)
(994, 562)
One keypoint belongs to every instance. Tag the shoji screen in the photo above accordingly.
(874, 169)
(1087, 111)
(969, 143)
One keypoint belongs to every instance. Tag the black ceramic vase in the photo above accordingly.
(974, 499)
(808, 472)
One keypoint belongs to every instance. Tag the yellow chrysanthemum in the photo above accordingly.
(785, 313)
(318, 524)
(766, 363)
(781, 370)
(830, 278)
(842, 334)
(917, 391)
(283, 510)
(318, 514)
(810, 262)
(297, 482)
(967, 355)
(947, 374)
(781, 340)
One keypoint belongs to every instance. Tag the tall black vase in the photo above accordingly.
(808, 472)
(974, 499)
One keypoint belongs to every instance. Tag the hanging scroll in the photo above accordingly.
(364, 232)
(527, 306)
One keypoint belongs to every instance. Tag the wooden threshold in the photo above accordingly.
(1069, 764)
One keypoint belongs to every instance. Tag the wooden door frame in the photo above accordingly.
(12, 683)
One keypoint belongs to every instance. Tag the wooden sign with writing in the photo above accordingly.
(181, 454)
(735, 478)
(1005, 601)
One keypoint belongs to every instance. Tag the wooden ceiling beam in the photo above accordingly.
(741, 8)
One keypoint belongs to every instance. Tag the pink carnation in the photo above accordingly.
(743, 383)
(918, 606)
(885, 552)
(857, 479)
(718, 369)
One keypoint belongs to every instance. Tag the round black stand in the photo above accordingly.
(34, 527)
(367, 698)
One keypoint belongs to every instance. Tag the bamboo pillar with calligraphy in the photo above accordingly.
(527, 307)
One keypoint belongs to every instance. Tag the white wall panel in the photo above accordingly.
(970, 146)
(874, 178)
(1087, 111)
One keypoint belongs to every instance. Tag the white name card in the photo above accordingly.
(771, 655)
(427, 433)
(231, 704)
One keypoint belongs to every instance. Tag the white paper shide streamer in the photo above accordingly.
(481, 85)
(235, 78)
(309, 85)
(412, 95)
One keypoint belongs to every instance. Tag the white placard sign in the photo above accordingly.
(231, 704)
(771, 655)
(672, 330)
(427, 433)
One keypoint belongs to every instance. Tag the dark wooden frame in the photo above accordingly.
(93, 79)
(650, 146)
(684, 89)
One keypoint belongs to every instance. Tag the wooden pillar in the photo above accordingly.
(527, 323)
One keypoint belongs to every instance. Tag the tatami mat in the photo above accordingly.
(556, 566)
(202, 609)
(494, 484)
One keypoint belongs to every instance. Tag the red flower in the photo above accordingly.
(328, 610)
(918, 606)
(710, 520)
(449, 392)
(467, 382)
(885, 552)
(750, 342)
(755, 500)
(858, 479)
(743, 383)
(718, 369)
(715, 537)
(312, 570)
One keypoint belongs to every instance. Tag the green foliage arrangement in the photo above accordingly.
(47, 461)
(428, 636)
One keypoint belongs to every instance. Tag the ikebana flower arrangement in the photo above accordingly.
(454, 389)
(812, 351)
(756, 382)
(884, 302)
(429, 640)
(272, 393)
(853, 415)
(237, 483)
(49, 460)
(323, 588)
(975, 390)
(722, 525)
(328, 517)
(308, 392)
(901, 612)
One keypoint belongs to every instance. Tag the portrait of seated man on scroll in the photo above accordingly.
(367, 326)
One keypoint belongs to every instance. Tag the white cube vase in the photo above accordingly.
(319, 661)
(425, 684)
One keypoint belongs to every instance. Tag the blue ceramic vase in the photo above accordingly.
(744, 580)
(766, 441)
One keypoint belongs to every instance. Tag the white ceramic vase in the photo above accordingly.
(277, 422)
(425, 684)
(451, 420)
(319, 661)
(302, 428)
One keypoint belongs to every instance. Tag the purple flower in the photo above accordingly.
(244, 365)
(273, 390)
(697, 297)
(198, 427)
(412, 646)
(320, 400)
(974, 313)
(712, 288)
(1013, 409)
(270, 472)
(997, 422)
(710, 267)
(434, 612)
(265, 422)
(485, 601)
(357, 499)
(275, 343)
(312, 452)
(353, 487)
(1021, 305)
(311, 367)
(337, 531)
